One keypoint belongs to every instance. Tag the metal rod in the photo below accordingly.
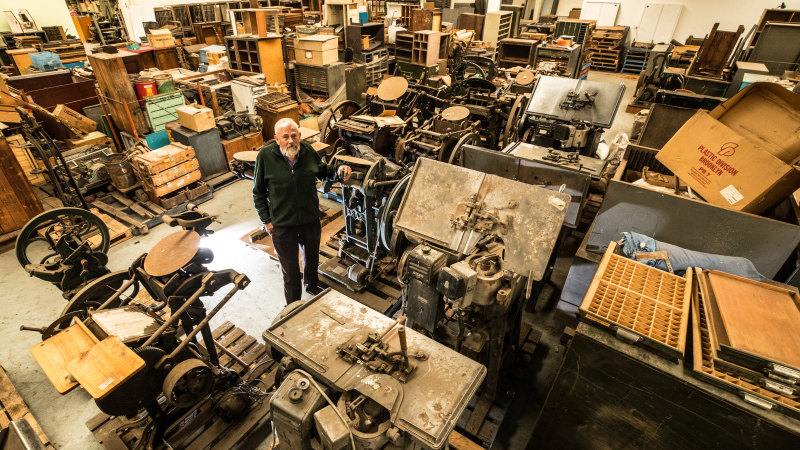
(231, 354)
(202, 323)
(130, 117)
(200, 91)
(110, 122)
(401, 334)
(117, 293)
(176, 315)
(397, 322)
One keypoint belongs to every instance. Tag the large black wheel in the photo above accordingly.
(511, 130)
(340, 111)
(32, 247)
(467, 139)
(94, 294)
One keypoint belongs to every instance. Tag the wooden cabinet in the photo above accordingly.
(516, 52)
(259, 55)
(425, 51)
(497, 26)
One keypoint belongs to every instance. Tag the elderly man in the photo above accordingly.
(285, 197)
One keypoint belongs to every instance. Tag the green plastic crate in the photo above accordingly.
(161, 108)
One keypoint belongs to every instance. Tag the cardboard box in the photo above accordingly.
(160, 38)
(9, 114)
(317, 50)
(741, 155)
(75, 119)
(151, 163)
(93, 138)
(196, 117)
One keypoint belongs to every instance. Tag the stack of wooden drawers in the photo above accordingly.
(167, 169)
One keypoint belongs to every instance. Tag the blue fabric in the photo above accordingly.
(681, 259)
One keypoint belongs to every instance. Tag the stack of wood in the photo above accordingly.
(69, 51)
(606, 47)
(23, 41)
(166, 170)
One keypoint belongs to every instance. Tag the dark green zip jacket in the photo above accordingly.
(286, 196)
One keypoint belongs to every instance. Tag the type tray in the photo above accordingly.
(753, 325)
(750, 386)
(641, 304)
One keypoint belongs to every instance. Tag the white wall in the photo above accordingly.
(698, 16)
(46, 13)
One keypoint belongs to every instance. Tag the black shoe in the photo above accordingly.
(315, 289)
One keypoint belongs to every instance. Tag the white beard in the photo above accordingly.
(291, 151)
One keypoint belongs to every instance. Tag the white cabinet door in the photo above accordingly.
(658, 22)
(605, 13)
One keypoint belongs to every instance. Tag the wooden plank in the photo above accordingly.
(238, 349)
(56, 352)
(222, 329)
(458, 441)
(18, 202)
(14, 408)
(114, 83)
(757, 318)
(105, 366)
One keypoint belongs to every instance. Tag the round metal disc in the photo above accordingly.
(172, 253)
(524, 77)
(248, 156)
(455, 113)
(392, 88)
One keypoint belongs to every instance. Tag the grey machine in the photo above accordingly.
(569, 114)
(355, 378)
(479, 243)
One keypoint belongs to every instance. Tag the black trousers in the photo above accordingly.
(286, 241)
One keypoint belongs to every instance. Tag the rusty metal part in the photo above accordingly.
(524, 77)
(172, 253)
(188, 382)
(312, 334)
(392, 88)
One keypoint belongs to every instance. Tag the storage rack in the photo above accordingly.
(163, 16)
(567, 58)
(774, 15)
(258, 55)
(636, 58)
(372, 30)
(497, 26)
(403, 45)
(425, 49)
(516, 52)
(319, 80)
(377, 64)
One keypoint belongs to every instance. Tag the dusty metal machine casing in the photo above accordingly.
(569, 114)
(414, 409)
(481, 242)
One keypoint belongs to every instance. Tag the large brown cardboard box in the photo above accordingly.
(317, 49)
(196, 117)
(741, 155)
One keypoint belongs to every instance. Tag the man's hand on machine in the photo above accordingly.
(344, 172)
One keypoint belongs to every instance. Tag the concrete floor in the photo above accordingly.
(33, 302)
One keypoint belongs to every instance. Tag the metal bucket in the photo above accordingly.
(145, 87)
(164, 83)
(120, 171)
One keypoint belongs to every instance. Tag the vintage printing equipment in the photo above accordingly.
(354, 378)
(568, 114)
(479, 242)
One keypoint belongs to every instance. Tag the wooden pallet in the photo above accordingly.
(117, 232)
(15, 408)
(200, 428)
